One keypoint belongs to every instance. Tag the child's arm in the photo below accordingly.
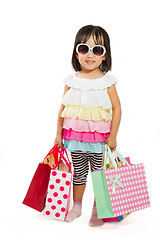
(116, 117)
(58, 139)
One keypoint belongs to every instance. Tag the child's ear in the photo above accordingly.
(77, 55)
(104, 57)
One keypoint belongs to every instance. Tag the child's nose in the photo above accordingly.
(90, 53)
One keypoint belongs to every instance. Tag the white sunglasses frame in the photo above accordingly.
(90, 49)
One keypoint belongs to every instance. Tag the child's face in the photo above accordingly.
(90, 62)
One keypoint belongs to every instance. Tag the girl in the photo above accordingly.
(90, 112)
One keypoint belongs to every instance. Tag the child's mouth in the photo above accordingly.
(89, 62)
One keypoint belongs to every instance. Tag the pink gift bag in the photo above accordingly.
(120, 190)
(127, 189)
(59, 189)
(121, 217)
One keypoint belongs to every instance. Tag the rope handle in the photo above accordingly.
(52, 151)
(61, 152)
(112, 158)
(55, 150)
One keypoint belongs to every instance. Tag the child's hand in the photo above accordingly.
(111, 142)
(58, 141)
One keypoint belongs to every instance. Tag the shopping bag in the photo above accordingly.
(108, 165)
(35, 197)
(36, 194)
(59, 190)
(115, 219)
(120, 190)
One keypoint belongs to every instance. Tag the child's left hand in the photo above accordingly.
(111, 142)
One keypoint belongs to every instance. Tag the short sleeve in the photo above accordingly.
(68, 80)
(111, 80)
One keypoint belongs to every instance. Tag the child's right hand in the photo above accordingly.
(58, 140)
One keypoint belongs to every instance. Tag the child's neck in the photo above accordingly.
(93, 74)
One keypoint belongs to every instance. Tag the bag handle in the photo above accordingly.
(106, 150)
(63, 150)
(113, 159)
(62, 155)
(122, 159)
(55, 150)
(52, 151)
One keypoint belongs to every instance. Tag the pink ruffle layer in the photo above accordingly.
(87, 126)
(90, 137)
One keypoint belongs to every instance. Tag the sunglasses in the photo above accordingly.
(97, 50)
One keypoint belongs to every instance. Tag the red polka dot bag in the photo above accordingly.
(59, 189)
(120, 190)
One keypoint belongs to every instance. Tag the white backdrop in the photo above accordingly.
(36, 42)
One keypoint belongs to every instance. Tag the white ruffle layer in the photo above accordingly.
(88, 92)
(90, 84)
(87, 98)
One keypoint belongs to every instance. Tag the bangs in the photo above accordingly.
(97, 37)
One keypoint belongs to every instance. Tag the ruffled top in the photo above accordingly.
(86, 84)
(87, 113)
(88, 92)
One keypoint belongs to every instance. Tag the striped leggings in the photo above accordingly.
(81, 162)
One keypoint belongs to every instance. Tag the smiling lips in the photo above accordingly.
(90, 62)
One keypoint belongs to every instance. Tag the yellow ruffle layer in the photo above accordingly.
(86, 113)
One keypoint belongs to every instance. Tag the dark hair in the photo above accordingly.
(100, 37)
